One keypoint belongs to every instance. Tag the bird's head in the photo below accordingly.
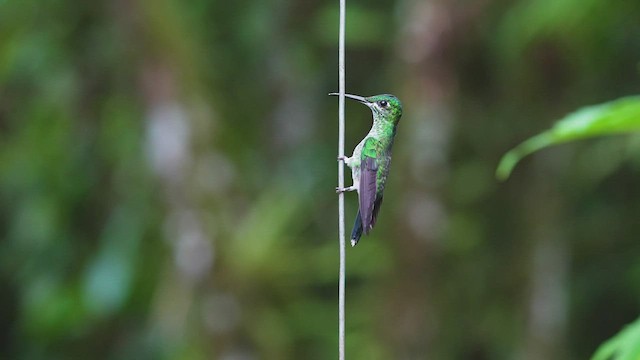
(385, 107)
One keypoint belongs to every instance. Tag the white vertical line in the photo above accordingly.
(341, 85)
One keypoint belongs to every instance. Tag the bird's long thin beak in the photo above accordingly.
(353, 97)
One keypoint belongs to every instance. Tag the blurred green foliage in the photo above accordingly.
(167, 172)
(619, 116)
(624, 346)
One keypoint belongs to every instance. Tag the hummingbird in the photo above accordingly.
(371, 160)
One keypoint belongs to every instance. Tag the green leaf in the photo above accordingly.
(625, 345)
(615, 117)
(109, 277)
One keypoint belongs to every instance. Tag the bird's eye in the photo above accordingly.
(383, 103)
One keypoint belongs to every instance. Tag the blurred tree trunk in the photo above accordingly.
(546, 303)
(178, 127)
(423, 139)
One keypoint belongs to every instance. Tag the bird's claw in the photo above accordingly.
(341, 158)
(339, 190)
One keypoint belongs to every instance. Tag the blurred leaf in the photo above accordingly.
(529, 20)
(51, 309)
(274, 216)
(618, 116)
(623, 346)
(364, 26)
(108, 279)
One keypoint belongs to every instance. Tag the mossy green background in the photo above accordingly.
(167, 176)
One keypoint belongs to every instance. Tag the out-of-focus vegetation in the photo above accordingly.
(167, 172)
(617, 117)
(620, 116)
(623, 346)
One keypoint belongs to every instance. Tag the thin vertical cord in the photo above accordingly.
(341, 85)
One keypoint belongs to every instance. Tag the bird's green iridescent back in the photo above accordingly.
(371, 160)
(383, 132)
(379, 148)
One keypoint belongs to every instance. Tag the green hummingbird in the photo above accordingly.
(371, 160)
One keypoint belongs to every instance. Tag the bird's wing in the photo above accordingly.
(368, 183)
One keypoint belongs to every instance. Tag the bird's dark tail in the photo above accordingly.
(356, 233)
